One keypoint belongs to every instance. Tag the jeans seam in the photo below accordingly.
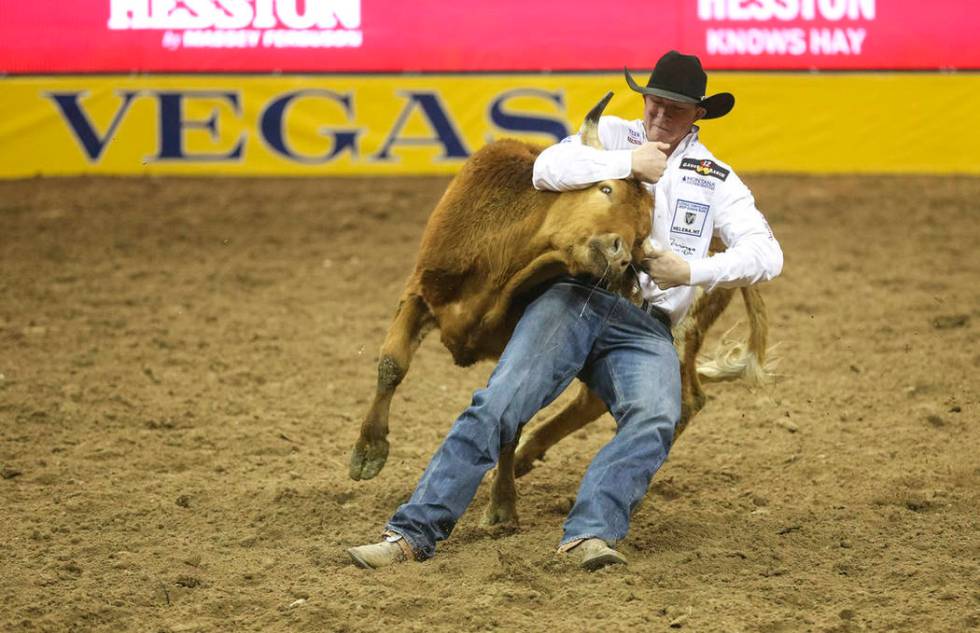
(525, 372)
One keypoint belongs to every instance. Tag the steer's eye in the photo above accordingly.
(606, 189)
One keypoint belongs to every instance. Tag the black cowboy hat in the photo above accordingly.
(680, 78)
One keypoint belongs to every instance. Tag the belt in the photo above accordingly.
(656, 313)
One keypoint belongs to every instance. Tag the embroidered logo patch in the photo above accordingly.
(689, 218)
(705, 167)
(698, 181)
(634, 137)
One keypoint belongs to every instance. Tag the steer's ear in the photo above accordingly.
(590, 128)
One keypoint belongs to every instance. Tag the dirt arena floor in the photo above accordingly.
(184, 364)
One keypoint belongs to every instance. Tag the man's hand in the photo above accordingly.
(648, 161)
(665, 267)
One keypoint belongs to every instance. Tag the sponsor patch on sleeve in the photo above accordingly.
(689, 218)
(634, 137)
(705, 167)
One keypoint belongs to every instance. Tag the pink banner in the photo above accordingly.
(503, 35)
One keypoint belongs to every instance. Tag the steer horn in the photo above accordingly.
(590, 129)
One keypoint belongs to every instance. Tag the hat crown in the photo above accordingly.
(679, 73)
(680, 78)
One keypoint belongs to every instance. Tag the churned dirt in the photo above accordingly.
(184, 364)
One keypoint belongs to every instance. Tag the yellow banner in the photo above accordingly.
(395, 124)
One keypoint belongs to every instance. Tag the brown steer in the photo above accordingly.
(491, 238)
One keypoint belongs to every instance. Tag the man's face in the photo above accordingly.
(668, 121)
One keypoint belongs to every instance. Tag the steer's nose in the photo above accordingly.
(611, 245)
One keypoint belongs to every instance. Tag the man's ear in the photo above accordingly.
(700, 114)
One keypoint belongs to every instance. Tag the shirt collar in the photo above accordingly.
(685, 145)
(688, 141)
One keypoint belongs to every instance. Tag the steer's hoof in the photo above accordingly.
(504, 515)
(367, 459)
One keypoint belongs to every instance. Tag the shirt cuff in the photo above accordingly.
(702, 271)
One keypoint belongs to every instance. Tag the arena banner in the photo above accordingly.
(350, 124)
(329, 36)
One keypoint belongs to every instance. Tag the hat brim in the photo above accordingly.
(715, 106)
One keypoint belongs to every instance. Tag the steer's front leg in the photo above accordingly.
(411, 323)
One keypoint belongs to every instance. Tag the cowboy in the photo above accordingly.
(575, 328)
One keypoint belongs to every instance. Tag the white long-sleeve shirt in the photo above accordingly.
(696, 198)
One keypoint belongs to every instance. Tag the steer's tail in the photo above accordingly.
(752, 359)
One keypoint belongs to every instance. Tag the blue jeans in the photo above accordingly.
(570, 330)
